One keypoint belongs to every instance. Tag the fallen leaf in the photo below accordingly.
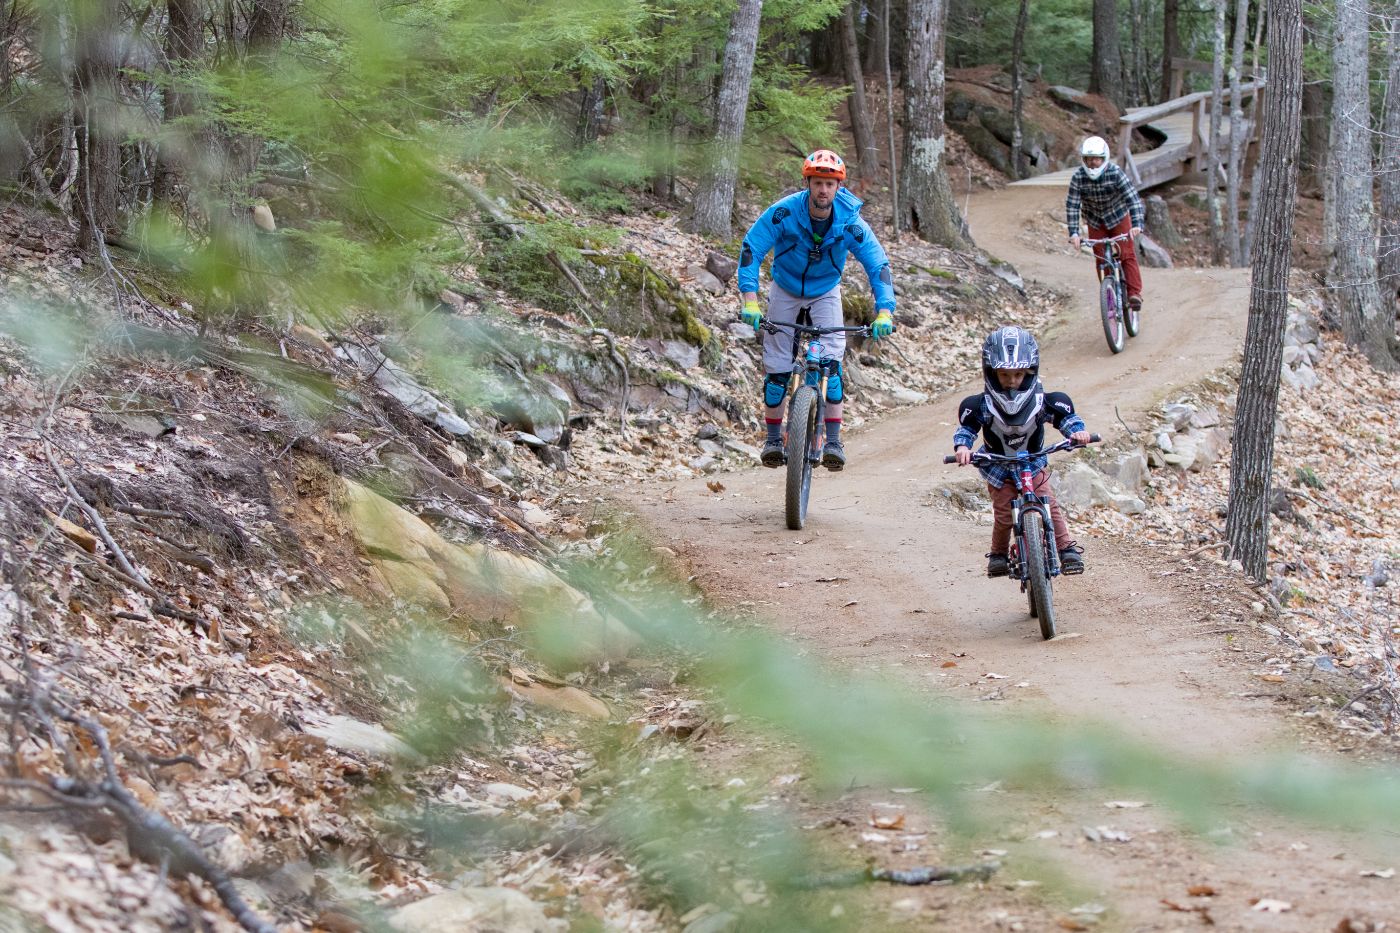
(1069, 923)
(1272, 678)
(887, 820)
(1201, 890)
(991, 676)
(1378, 873)
(715, 486)
(950, 664)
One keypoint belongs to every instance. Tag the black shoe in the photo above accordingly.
(1070, 559)
(997, 565)
(834, 456)
(772, 454)
(1135, 304)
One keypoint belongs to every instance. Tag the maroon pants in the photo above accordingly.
(1001, 513)
(1132, 275)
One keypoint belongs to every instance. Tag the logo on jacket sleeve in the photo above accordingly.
(780, 215)
(746, 255)
(856, 232)
(885, 275)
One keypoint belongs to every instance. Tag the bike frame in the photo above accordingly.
(1111, 263)
(812, 373)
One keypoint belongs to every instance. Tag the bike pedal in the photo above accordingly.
(1071, 573)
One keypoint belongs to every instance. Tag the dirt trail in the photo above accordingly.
(1144, 661)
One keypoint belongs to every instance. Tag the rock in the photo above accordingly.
(983, 142)
(705, 463)
(713, 448)
(500, 910)
(722, 266)
(739, 447)
(683, 355)
(741, 331)
(1380, 573)
(1069, 98)
(1007, 273)
(908, 317)
(1207, 416)
(555, 458)
(1154, 256)
(535, 516)
(1129, 469)
(75, 533)
(1179, 414)
(263, 219)
(707, 431)
(151, 426)
(707, 281)
(1183, 453)
(345, 437)
(311, 338)
(1159, 222)
(414, 563)
(1164, 442)
(565, 698)
(1301, 377)
(397, 382)
(1079, 486)
(509, 792)
(1127, 504)
(907, 396)
(526, 438)
(352, 735)
(721, 922)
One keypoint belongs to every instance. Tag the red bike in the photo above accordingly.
(1032, 559)
(1120, 320)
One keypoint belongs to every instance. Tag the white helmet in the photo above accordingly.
(1094, 146)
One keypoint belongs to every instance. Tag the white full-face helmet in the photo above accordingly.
(1094, 147)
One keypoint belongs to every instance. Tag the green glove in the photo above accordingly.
(882, 326)
(751, 314)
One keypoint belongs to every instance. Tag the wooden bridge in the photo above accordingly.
(1184, 125)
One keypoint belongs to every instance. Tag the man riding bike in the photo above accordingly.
(1111, 207)
(809, 233)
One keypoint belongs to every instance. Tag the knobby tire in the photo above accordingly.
(1112, 313)
(802, 418)
(1037, 565)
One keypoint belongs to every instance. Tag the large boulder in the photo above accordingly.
(412, 562)
(982, 141)
(1129, 469)
(1079, 486)
(1154, 256)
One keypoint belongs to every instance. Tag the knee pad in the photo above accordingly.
(775, 389)
(835, 392)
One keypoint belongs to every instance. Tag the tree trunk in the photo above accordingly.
(876, 37)
(97, 121)
(1171, 45)
(1366, 323)
(714, 199)
(1217, 231)
(889, 115)
(1255, 115)
(928, 208)
(1252, 455)
(184, 35)
(590, 113)
(1389, 211)
(1159, 222)
(1237, 137)
(1137, 80)
(1018, 50)
(1106, 73)
(867, 153)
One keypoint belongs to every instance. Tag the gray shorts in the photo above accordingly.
(778, 349)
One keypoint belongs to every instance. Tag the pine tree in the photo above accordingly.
(714, 200)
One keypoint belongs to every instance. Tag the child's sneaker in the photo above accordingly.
(1071, 560)
(997, 565)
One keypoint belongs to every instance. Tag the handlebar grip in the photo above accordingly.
(950, 459)
(1094, 438)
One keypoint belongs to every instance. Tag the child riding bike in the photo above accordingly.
(810, 233)
(1011, 415)
(1107, 198)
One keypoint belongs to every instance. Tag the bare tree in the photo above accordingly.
(1367, 323)
(1018, 50)
(1217, 77)
(1238, 138)
(928, 207)
(889, 115)
(867, 153)
(184, 34)
(1171, 44)
(1389, 208)
(1252, 454)
(1247, 250)
(98, 109)
(714, 199)
(1106, 71)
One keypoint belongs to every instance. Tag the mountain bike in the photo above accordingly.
(806, 405)
(1032, 559)
(1120, 320)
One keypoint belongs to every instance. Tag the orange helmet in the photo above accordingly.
(824, 164)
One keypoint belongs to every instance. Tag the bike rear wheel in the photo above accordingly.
(1130, 316)
(1111, 310)
(802, 427)
(1038, 583)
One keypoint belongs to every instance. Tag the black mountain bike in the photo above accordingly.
(806, 405)
(1120, 321)
(1032, 559)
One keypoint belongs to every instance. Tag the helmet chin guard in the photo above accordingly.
(1095, 147)
(1012, 348)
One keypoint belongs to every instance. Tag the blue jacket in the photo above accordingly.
(785, 229)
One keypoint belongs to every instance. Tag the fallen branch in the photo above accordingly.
(933, 874)
(1203, 548)
(96, 518)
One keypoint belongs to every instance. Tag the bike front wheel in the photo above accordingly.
(1111, 310)
(1038, 582)
(802, 428)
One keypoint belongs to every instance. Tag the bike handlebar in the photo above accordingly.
(1112, 239)
(772, 327)
(984, 457)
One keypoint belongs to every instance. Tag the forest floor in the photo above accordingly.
(1162, 649)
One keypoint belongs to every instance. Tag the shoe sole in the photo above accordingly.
(773, 461)
(834, 465)
(1071, 573)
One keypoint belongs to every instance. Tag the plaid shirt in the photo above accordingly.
(1104, 201)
